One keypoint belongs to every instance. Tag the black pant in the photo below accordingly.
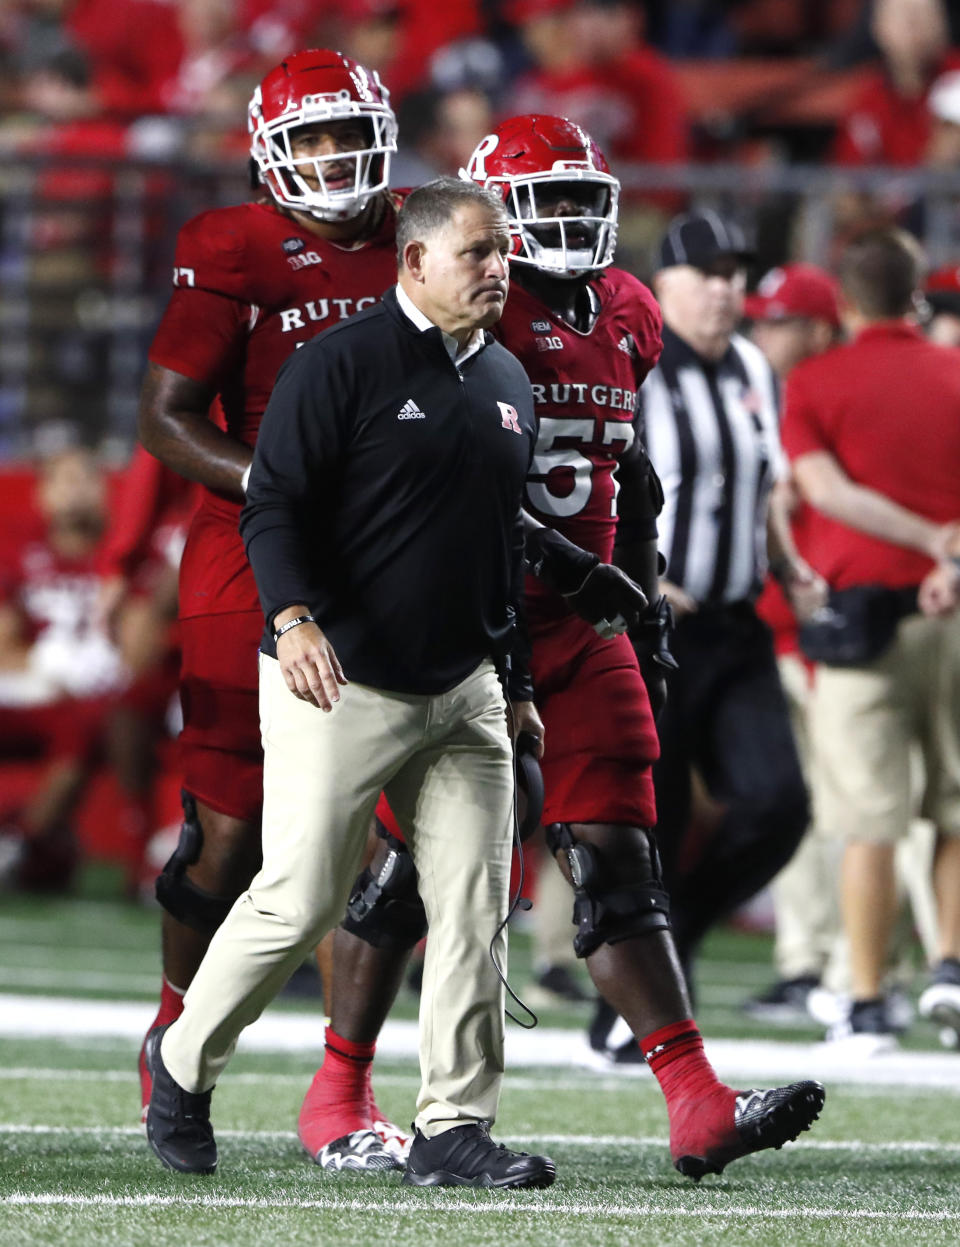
(726, 717)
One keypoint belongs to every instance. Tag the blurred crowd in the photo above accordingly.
(150, 78)
(118, 121)
(654, 83)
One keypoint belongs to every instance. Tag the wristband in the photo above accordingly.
(245, 479)
(292, 623)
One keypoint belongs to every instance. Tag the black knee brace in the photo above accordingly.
(385, 908)
(616, 897)
(184, 900)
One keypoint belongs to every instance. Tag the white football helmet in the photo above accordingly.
(528, 161)
(317, 86)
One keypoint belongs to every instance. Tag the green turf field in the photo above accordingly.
(880, 1167)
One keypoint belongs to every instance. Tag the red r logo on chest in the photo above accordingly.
(510, 419)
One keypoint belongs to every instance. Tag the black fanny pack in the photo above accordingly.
(857, 625)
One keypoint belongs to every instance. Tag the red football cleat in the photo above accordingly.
(392, 1137)
(707, 1134)
(340, 1135)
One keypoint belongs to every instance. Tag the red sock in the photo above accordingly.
(699, 1104)
(675, 1055)
(171, 1006)
(171, 1003)
(340, 1098)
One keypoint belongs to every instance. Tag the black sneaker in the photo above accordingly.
(557, 985)
(467, 1156)
(866, 1031)
(601, 1024)
(872, 1017)
(623, 1054)
(178, 1121)
(940, 1002)
(785, 1002)
(611, 1039)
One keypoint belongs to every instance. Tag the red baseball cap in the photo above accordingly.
(942, 289)
(795, 290)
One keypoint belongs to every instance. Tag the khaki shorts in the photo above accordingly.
(865, 722)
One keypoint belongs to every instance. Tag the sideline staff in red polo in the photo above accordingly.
(873, 432)
(383, 526)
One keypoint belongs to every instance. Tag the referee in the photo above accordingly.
(710, 413)
(384, 530)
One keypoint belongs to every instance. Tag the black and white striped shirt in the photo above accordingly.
(711, 432)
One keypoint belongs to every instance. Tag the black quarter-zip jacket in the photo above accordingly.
(385, 493)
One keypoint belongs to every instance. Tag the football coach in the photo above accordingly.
(383, 526)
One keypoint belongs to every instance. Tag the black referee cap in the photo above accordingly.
(700, 239)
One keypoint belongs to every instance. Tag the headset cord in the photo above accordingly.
(517, 901)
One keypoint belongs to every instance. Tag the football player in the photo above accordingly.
(587, 335)
(251, 284)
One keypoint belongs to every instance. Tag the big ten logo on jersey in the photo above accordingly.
(570, 457)
(303, 260)
(319, 310)
(184, 277)
(545, 340)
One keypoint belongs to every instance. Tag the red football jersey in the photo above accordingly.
(585, 393)
(883, 126)
(149, 520)
(250, 286)
(52, 591)
(57, 595)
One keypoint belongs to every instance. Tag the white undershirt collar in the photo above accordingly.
(474, 344)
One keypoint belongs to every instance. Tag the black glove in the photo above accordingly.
(609, 600)
(598, 592)
(651, 642)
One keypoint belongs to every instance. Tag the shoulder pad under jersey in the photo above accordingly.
(212, 253)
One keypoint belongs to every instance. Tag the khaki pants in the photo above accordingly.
(445, 764)
(809, 934)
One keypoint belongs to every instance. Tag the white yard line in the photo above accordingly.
(541, 1084)
(129, 1077)
(525, 1140)
(749, 1062)
(81, 913)
(73, 980)
(19, 952)
(513, 1207)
